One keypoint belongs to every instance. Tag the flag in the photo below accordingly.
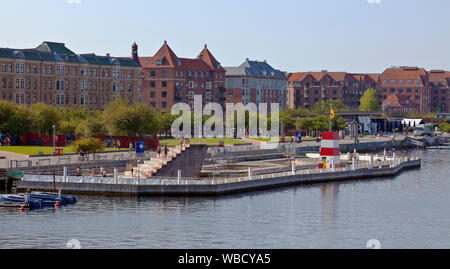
(332, 112)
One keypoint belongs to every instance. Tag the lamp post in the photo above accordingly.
(54, 136)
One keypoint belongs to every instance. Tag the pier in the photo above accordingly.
(216, 186)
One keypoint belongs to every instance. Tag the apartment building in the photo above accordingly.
(256, 82)
(54, 74)
(305, 89)
(169, 79)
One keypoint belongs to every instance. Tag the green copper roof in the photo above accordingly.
(53, 51)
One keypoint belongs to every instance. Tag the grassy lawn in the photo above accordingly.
(209, 141)
(36, 150)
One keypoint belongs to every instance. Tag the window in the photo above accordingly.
(4, 68)
(164, 74)
(164, 104)
(392, 81)
(152, 94)
(164, 94)
(152, 84)
(417, 82)
(164, 83)
(230, 92)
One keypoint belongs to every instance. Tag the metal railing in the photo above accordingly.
(166, 181)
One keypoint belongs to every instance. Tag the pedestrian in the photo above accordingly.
(118, 144)
(78, 171)
(130, 147)
(102, 171)
(159, 152)
(166, 151)
(93, 171)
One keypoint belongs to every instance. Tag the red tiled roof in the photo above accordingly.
(398, 101)
(403, 73)
(204, 62)
(195, 64)
(207, 56)
(438, 75)
(318, 76)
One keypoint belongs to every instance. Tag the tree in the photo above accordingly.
(91, 127)
(87, 146)
(325, 107)
(369, 101)
(20, 122)
(167, 120)
(7, 110)
(289, 116)
(130, 120)
(44, 117)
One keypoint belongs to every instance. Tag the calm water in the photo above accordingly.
(409, 211)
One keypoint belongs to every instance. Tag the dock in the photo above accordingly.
(216, 186)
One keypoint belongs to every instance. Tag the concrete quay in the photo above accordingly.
(214, 187)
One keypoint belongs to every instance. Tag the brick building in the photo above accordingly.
(53, 74)
(438, 81)
(256, 82)
(168, 79)
(411, 82)
(399, 104)
(305, 89)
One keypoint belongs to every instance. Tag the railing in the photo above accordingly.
(211, 181)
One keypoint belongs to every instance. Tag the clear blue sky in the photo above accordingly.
(293, 35)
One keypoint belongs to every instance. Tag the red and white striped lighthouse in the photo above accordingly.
(330, 149)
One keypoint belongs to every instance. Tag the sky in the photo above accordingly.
(360, 36)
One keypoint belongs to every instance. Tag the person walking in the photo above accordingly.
(78, 171)
(130, 148)
(166, 151)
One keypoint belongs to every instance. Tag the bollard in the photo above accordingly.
(115, 176)
(371, 161)
(354, 164)
(250, 173)
(394, 157)
(294, 169)
(179, 177)
(333, 167)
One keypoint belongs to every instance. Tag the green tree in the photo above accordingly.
(19, 123)
(7, 110)
(369, 101)
(130, 120)
(44, 117)
(325, 107)
(91, 127)
(87, 146)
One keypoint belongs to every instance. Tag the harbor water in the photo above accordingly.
(409, 211)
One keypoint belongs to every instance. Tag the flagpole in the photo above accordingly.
(331, 115)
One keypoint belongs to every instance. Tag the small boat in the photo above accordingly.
(62, 198)
(31, 203)
(439, 147)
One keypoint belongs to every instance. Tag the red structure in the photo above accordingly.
(45, 140)
(124, 141)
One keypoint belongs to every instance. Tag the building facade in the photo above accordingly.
(168, 79)
(55, 75)
(305, 89)
(408, 82)
(256, 82)
(399, 104)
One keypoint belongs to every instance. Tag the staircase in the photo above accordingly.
(151, 167)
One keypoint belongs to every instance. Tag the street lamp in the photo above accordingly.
(54, 135)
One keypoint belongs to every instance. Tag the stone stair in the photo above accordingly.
(151, 167)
